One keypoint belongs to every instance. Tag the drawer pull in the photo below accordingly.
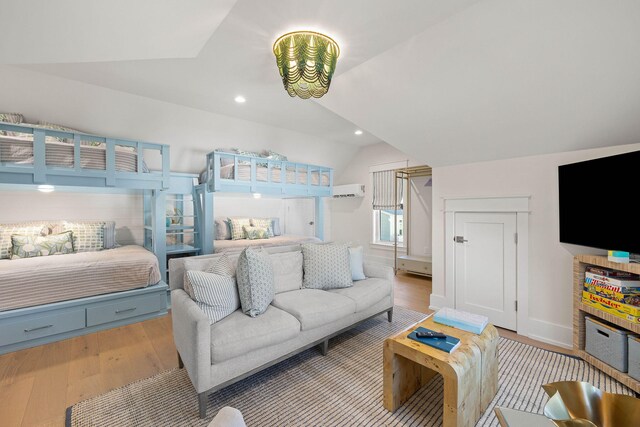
(38, 328)
(603, 333)
(125, 310)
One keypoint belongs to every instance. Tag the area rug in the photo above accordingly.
(343, 388)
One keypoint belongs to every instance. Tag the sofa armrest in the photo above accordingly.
(192, 335)
(380, 271)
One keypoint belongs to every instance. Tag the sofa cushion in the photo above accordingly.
(326, 266)
(365, 293)
(287, 271)
(255, 281)
(238, 334)
(314, 307)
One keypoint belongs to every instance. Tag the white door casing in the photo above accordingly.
(485, 266)
(517, 204)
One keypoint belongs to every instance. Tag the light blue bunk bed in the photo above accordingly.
(31, 156)
(235, 173)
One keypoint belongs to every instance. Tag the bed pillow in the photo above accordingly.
(15, 118)
(30, 246)
(287, 271)
(222, 229)
(255, 233)
(110, 235)
(263, 223)
(272, 155)
(275, 226)
(237, 232)
(356, 256)
(326, 266)
(216, 295)
(36, 228)
(87, 236)
(256, 285)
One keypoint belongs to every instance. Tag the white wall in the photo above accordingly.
(191, 134)
(550, 262)
(124, 209)
(351, 218)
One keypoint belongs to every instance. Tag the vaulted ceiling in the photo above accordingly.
(446, 82)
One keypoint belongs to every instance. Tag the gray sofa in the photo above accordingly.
(217, 355)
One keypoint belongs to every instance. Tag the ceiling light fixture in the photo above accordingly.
(257, 195)
(306, 61)
(358, 132)
(240, 99)
(46, 188)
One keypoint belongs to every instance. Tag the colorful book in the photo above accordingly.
(461, 319)
(624, 311)
(613, 273)
(604, 280)
(447, 344)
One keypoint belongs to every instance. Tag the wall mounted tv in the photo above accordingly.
(597, 199)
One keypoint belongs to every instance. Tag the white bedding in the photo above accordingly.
(41, 280)
(20, 151)
(235, 246)
(244, 174)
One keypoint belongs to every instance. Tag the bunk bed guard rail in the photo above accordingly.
(35, 155)
(228, 172)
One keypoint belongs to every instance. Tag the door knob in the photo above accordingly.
(311, 223)
(459, 239)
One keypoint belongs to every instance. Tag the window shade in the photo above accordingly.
(383, 193)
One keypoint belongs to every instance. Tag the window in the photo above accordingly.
(387, 207)
(383, 226)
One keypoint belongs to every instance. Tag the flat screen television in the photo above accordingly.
(597, 199)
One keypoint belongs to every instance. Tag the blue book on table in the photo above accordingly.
(447, 344)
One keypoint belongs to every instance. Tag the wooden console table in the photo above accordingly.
(470, 372)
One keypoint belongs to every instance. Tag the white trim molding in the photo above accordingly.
(518, 205)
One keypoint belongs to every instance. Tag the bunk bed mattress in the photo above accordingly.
(244, 174)
(20, 151)
(42, 280)
(233, 246)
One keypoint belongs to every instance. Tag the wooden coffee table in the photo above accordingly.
(470, 372)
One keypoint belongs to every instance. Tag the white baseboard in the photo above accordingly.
(550, 333)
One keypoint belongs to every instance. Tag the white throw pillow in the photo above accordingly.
(357, 263)
(216, 295)
(287, 271)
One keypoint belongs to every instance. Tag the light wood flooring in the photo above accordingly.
(38, 384)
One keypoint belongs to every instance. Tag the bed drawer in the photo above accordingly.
(28, 328)
(131, 307)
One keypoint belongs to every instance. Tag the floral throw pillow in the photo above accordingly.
(254, 233)
(263, 223)
(15, 118)
(237, 231)
(30, 246)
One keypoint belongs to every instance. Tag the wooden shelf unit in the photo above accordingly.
(580, 310)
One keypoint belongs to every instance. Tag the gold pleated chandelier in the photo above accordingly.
(306, 61)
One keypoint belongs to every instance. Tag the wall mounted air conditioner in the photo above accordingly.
(348, 190)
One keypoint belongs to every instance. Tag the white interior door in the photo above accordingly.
(299, 217)
(485, 266)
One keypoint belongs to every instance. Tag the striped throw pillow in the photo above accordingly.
(222, 266)
(216, 295)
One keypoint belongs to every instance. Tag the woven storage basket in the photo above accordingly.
(606, 343)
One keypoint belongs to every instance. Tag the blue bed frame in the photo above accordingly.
(31, 326)
(265, 185)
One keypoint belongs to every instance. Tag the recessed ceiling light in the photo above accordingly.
(45, 188)
(358, 132)
(240, 99)
(257, 195)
